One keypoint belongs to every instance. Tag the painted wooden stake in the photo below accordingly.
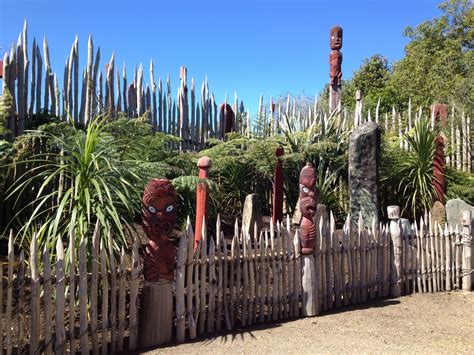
(121, 303)
(134, 281)
(94, 289)
(189, 279)
(83, 301)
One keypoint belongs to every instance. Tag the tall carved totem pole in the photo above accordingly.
(335, 62)
(158, 221)
(438, 117)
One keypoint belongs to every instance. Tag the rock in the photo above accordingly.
(251, 213)
(438, 214)
(454, 210)
(364, 157)
(405, 226)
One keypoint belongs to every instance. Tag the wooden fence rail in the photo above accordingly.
(224, 284)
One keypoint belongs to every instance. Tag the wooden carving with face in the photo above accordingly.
(308, 209)
(159, 219)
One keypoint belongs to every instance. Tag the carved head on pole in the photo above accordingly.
(159, 209)
(335, 38)
(307, 193)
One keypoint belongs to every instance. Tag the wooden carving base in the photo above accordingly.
(156, 321)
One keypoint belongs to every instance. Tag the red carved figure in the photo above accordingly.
(159, 219)
(335, 58)
(335, 73)
(308, 209)
(227, 119)
(438, 116)
(1, 69)
(278, 188)
(202, 196)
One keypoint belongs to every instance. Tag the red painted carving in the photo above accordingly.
(438, 116)
(335, 57)
(308, 209)
(227, 119)
(202, 196)
(1, 69)
(159, 219)
(278, 188)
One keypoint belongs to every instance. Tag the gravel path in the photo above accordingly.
(421, 323)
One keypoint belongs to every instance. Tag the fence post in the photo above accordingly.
(466, 251)
(396, 254)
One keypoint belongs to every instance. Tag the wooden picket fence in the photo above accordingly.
(222, 285)
(78, 304)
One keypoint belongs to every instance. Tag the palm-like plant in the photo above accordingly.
(417, 169)
(76, 183)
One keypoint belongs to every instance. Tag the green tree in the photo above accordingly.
(439, 61)
(372, 79)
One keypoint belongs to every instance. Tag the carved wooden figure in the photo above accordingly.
(202, 196)
(335, 57)
(439, 114)
(159, 219)
(227, 118)
(308, 209)
(278, 188)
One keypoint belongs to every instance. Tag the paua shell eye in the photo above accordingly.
(305, 190)
(151, 209)
(169, 208)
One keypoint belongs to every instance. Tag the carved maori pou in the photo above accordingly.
(227, 117)
(159, 219)
(308, 209)
(278, 188)
(439, 115)
(335, 57)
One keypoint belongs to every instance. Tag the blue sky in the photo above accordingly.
(252, 47)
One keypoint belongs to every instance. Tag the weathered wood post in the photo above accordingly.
(158, 220)
(438, 118)
(466, 251)
(396, 251)
(307, 184)
(278, 188)
(202, 196)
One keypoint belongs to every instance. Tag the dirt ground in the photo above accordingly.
(420, 323)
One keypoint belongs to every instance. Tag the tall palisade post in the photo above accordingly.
(110, 86)
(153, 117)
(119, 97)
(76, 80)
(26, 64)
(183, 107)
(65, 88)
(20, 84)
(93, 98)
(88, 104)
(12, 76)
(33, 80)
(47, 68)
(69, 92)
(138, 89)
(39, 76)
(124, 78)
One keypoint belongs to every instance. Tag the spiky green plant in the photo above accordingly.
(417, 170)
(76, 183)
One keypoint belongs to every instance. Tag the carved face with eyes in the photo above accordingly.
(335, 38)
(307, 193)
(159, 209)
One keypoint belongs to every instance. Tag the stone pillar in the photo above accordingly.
(277, 214)
(395, 251)
(202, 196)
(364, 156)
(251, 214)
